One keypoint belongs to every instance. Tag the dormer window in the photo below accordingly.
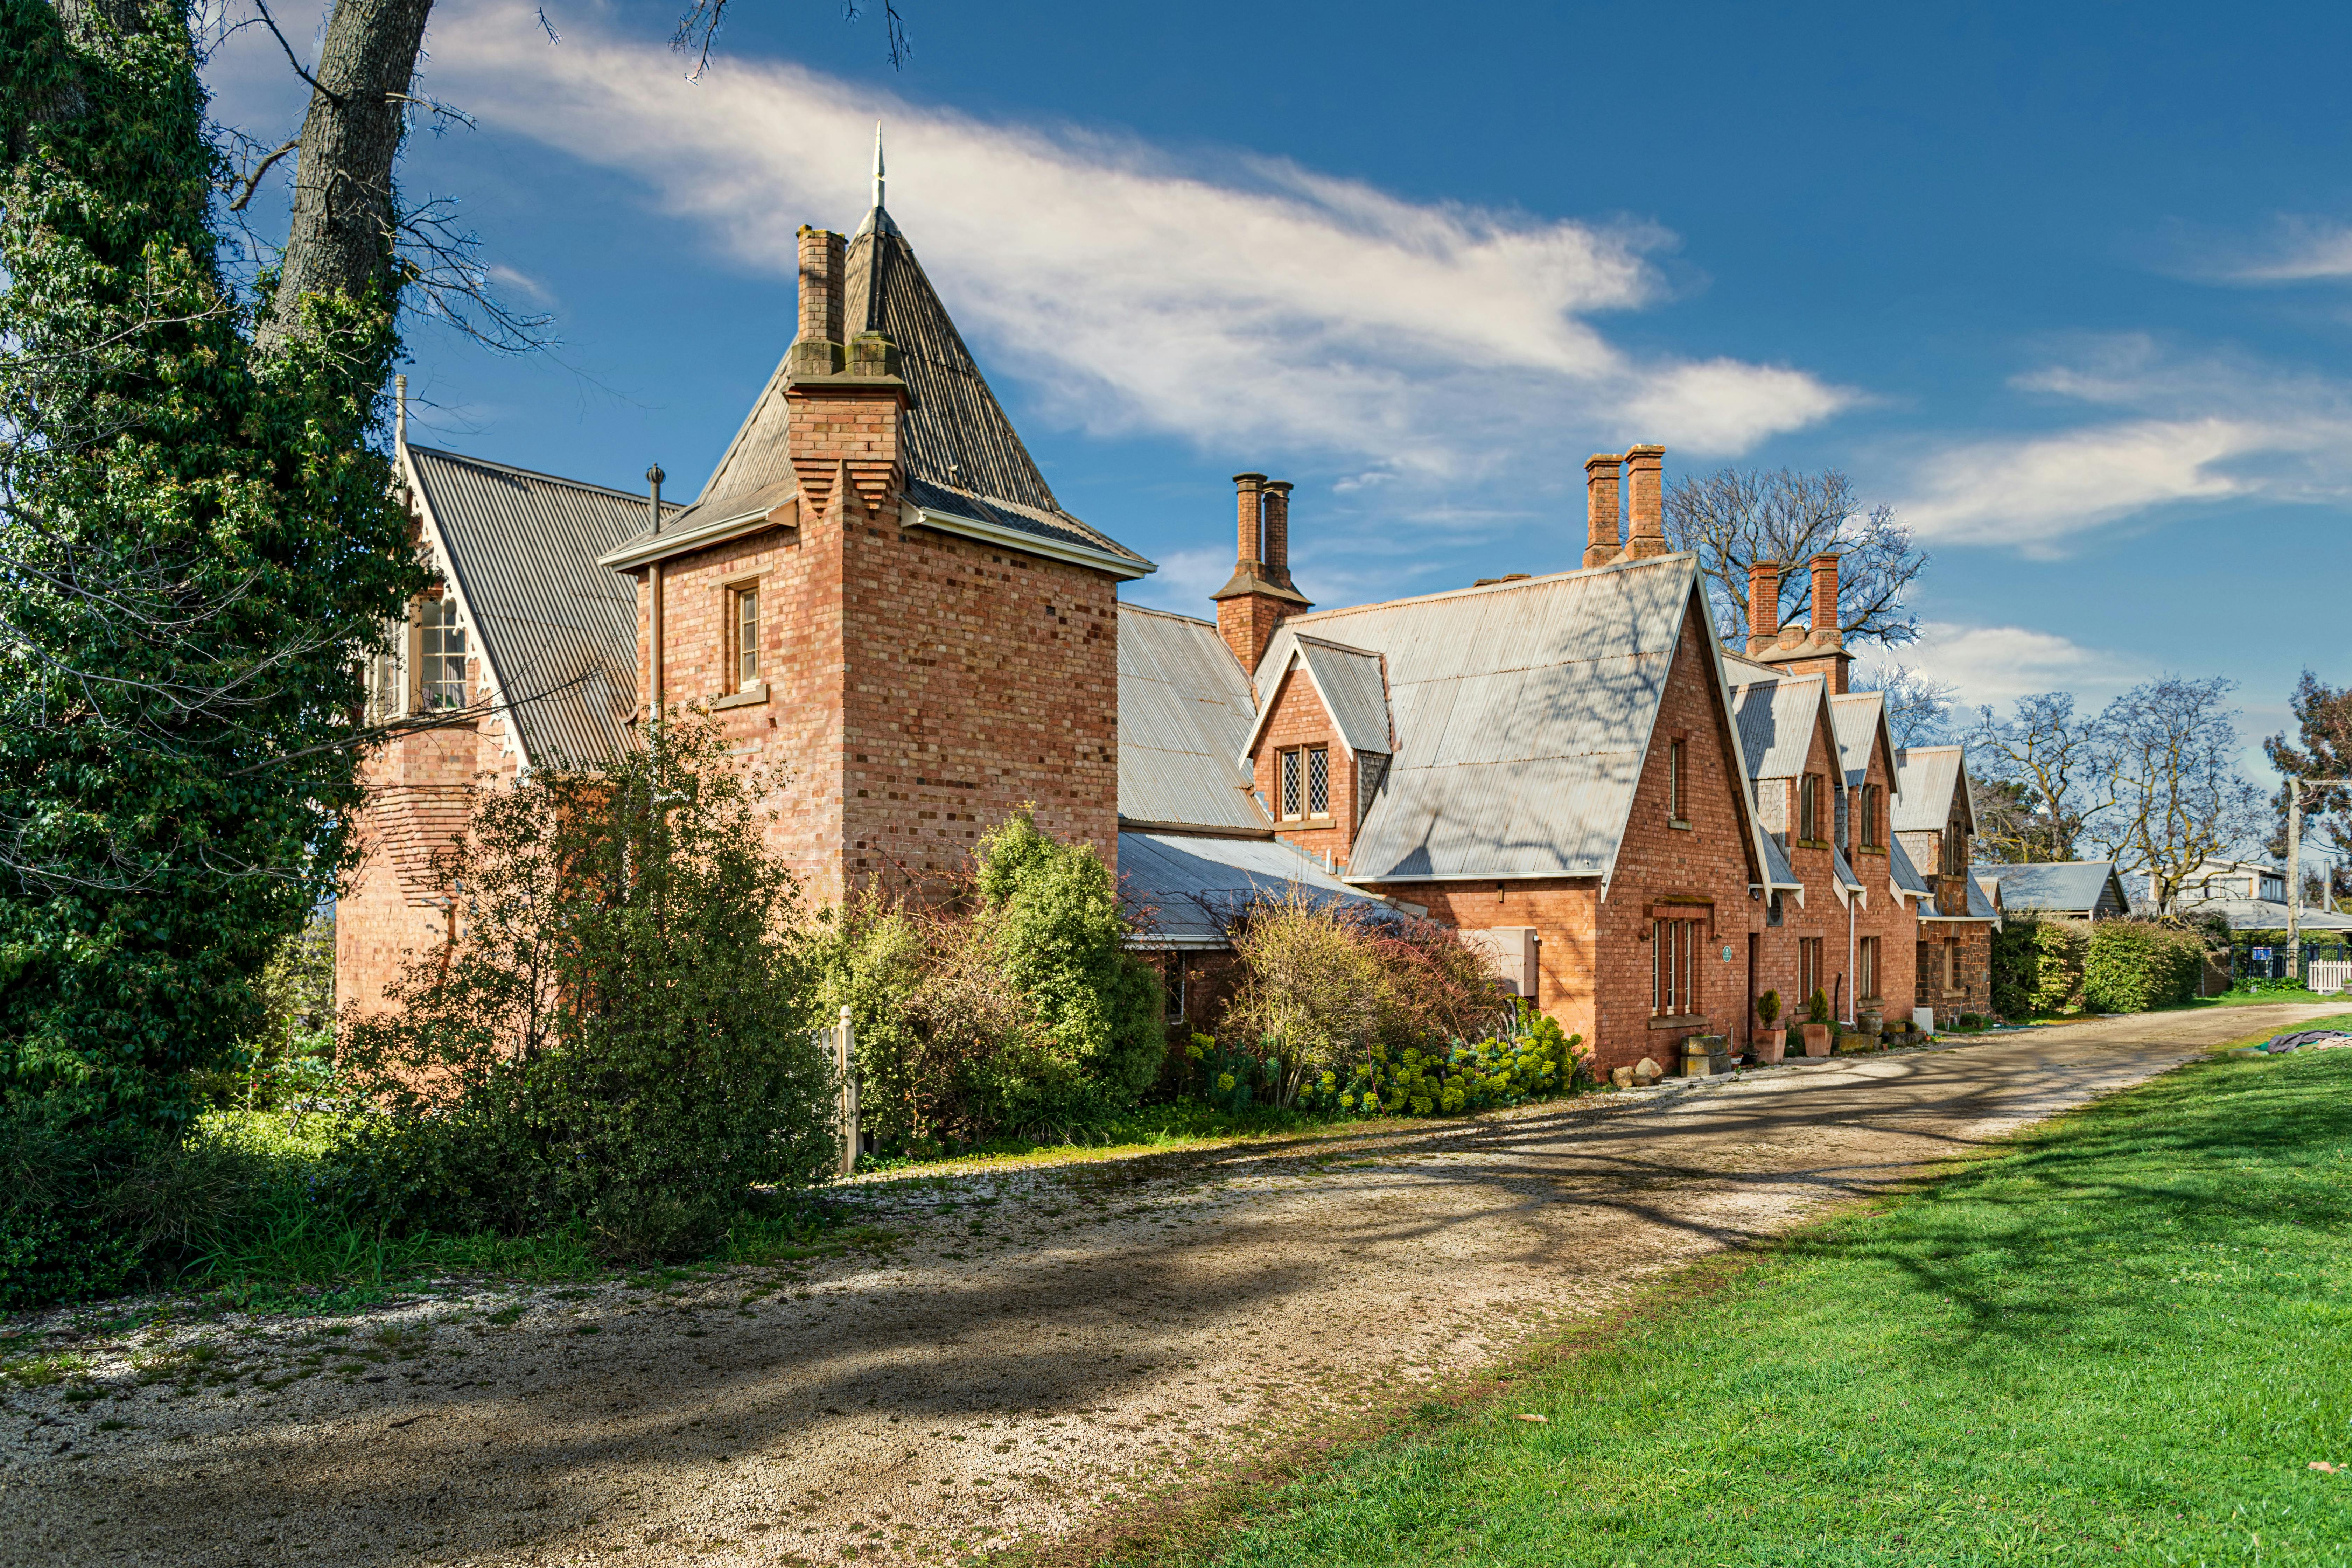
(1809, 808)
(441, 655)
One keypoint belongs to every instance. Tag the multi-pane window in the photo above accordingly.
(747, 638)
(441, 655)
(1291, 786)
(1319, 782)
(1809, 807)
(1674, 781)
(1809, 966)
(1865, 967)
(1674, 966)
(1305, 782)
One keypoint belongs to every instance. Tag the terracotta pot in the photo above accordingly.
(1817, 1039)
(1769, 1044)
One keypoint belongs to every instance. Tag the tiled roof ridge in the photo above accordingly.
(1539, 580)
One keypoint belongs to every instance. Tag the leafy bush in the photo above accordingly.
(1767, 1007)
(2132, 965)
(1533, 1059)
(1817, 1007)
(58, 1241)
(1324, 983)
(2037, 966)
(619, 1040)
(1019, 1012)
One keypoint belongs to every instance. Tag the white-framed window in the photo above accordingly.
(440, 655)
(1809, 967)
(1674, 965)
(743, 619)
(1178, 964)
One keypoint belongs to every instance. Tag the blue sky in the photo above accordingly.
(2070, 286)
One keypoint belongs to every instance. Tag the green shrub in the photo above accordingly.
(2059, 950)
(1767, 1007)
(1817, 1007)
(1019, 1012)
(619, 1041)
(58, 1242)
(2132, 965)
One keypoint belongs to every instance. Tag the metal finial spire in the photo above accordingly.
(877, 221)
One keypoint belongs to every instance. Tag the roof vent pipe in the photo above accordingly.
(653, 478)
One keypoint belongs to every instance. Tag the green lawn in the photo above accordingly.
(2123, 1341)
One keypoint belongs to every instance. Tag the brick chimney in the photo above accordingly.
(1600, 529)
(1277, 549)
(1821, 649)
(1763, 605)
(1646, 535)
(1258, 595)
(817, 348)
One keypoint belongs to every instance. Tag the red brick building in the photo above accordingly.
(877, 589)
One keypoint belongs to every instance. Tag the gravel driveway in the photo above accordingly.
(1028, 1346)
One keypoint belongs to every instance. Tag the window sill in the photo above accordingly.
(1678, 826)
(1877, 850)
(1680, 1020)
(1307, 824)
(1812, 844)
(750, 697)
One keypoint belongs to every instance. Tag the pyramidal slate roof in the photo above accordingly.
(559, 631)
(961, 454)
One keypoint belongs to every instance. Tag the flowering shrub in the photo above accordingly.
(1533, 1059)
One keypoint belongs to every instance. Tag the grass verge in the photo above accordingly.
(2127, 1339)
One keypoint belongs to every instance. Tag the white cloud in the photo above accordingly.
(2303, 250)
(1996, 665)
(2197, 430)
(1264, 311)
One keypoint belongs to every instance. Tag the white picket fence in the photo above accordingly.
(2328, 973)
(839, 1044)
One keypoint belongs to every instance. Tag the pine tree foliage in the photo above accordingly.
(197, 546)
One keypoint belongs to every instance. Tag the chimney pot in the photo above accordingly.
(817, 347)
(1646, 537)
(1763, 604)
(1825, 600)
(1249, 491)
(1277, 530)
(1601, 526)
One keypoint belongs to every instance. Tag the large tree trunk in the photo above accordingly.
(340, 241)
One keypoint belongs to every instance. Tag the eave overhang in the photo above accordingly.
(1124, 568)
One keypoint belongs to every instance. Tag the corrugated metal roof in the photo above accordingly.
(1522, 713)
(1353, 691)
(560, 632)
(1186, 892)
(1844, 872)
(2266, 914)
(2058, 887)
(956, 442)
(1776, 721)
(1184, 711)
(1855, 719)
(1778, 872)
(1905, 875)
(1925, 777)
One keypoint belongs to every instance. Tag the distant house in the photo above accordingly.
(2251, 896)
(2074, 890)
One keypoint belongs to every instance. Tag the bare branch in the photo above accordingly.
(271, 23)
(253, 180)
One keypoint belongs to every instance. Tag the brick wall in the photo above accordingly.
(1297, 719)
(1884, 913)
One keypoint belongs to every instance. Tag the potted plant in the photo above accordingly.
(1817, 1024)
(1770, 1042)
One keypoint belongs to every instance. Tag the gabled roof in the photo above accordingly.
(1776, 716)
(1859, 718)
(1183, 711)
(2060, 887)
(1903, 873)
(1926, 780)
(558, 631)
(1350, 683)
(963, 459)
(1522, 712)
(1186, 892)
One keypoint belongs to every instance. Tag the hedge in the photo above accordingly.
(2045, 966)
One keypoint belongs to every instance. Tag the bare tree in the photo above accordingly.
(1918, 705)
(1737, 517)
(2322, 761)
(2178, 799)
(2045, 775)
